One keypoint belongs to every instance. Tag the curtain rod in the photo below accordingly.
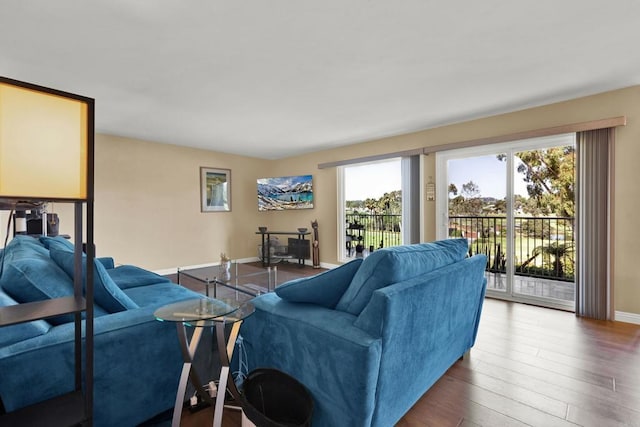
(407, 153)
(537, 133)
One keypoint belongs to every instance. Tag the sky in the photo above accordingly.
(488, 173)
(372, 180)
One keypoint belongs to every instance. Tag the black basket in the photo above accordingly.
(272, 398)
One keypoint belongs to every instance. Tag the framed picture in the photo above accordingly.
(285, 192)
(215, 190)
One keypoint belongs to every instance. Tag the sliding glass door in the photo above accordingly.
(515, 203)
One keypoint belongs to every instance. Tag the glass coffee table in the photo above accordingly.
(200, 313)
(248, 280)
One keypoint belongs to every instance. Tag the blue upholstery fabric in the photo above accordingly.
(29, 275)
(416, 353)
(63, 244)
(130, 276)
(321, 348)
(137, 367)
(369, 369)
(137, 358)
(106, 293)
(156, 295)
(21, 331)
(324, 289)
(21, 245)
(382, 268)
(56, 242)
(106, 261)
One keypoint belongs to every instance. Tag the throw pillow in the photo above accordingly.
(21, 331)
(36, 278)
(106, 293)
(323, 289)
(56, 242)
(395, 264)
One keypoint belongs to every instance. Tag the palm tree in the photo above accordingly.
(559, 252)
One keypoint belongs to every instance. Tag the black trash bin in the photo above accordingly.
(272, 398)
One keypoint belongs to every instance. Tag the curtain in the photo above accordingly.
(594, 287)
(411, 199)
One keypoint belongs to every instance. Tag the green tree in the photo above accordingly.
(354, 204)
(468, 203)
(472, 202)
(391, 203)
(470, 190)
(550, 177)
(371, 204)
(500, 206)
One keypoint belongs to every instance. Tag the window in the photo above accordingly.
(380, 205)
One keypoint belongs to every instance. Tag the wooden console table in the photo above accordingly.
(266, 246)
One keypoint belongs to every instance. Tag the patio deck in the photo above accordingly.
(533, 286)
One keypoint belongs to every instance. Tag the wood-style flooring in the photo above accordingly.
(530, 366)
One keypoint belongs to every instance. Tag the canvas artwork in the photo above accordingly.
(287, 192)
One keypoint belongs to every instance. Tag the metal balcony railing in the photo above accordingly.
(543, 246)
(373, 231)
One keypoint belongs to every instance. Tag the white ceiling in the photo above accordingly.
(274, 78)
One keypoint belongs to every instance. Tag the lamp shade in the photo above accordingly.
(44, 143)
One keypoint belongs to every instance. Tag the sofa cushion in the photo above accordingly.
(30, 275)
(392, 265)
(21, 331)
(323, 289)
(130, 276)
(21, 246)
(160, 294)
(106, 293)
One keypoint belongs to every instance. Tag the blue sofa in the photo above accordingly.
(137, 358)
(370, 337)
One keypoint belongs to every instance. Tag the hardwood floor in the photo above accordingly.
(539, 367)
(530, 367)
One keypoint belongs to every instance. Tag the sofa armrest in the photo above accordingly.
(426, 324)
(321, 348)
(131, 276)
(323, 289)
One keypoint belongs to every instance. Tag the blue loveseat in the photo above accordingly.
(370, 337)
(137, 358)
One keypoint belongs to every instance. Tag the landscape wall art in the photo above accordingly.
(286, 192)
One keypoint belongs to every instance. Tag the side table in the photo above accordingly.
(200, 313)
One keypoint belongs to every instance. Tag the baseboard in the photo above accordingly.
(328, 266)
(621, 316)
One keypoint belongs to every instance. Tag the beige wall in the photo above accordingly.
(147, 194)
(147, 204)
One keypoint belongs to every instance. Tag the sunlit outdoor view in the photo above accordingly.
(373, 207)
(543, 203)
